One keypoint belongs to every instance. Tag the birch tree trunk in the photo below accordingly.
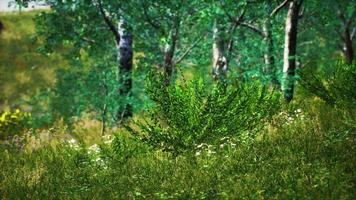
(219, 53)
(168, 65)
(125, 56)
(290, 49)
(348, 49)
(270, 67)
(347, 34)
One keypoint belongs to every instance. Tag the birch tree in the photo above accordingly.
(290, 48)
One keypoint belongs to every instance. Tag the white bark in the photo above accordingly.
(290, 49)
(219, 58)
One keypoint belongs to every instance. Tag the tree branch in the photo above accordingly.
(150, 21)
(188, 50)
(279, 7)
(253, 28)
(236, 22)
(353, 33)
(109, 23)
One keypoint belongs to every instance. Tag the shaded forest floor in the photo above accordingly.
(307, 150)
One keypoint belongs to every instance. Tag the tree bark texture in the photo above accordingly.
(219, 53)
(170, 48)
(348, 49)
(270, 66)
(290, 49)
(125, 57)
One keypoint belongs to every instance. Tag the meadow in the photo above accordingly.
(193, 139)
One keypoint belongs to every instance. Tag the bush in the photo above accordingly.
(190, 113)
(336, 87)
(12, 123)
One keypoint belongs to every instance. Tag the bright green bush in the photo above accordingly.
(190, 113)
(12, 123)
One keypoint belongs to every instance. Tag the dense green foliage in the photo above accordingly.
(334, 86)
(190, 113)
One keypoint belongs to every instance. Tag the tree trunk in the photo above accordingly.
(219, 54)
(348, 49)
(270, 67)
(125, 56)
(103, 120)
(1, 27)
(290, 49)
(168, 65)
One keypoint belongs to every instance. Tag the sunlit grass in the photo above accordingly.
(23, 70)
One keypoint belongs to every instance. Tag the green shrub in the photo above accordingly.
(190, 113)
(335, 87)
(12, 123)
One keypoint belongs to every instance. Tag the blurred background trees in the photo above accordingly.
(108, 47)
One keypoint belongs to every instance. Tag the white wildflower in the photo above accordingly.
(108, 139)
(225, 138)
(72, 141)
(94, 149)
(73, 144)
(211, 152)
(201, 145)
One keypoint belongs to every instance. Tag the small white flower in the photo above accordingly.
(108, 139)
(94, 149)
(201, 145)
(211, 152)
(73, 144)
(72, 141)
(224, 138)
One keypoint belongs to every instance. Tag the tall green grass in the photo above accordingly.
(305, 155)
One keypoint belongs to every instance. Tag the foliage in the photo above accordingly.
(13, 123)
(189, 113)
(335, 86)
